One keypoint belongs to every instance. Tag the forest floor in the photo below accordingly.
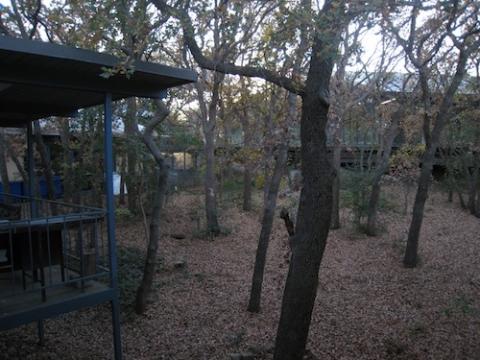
(368, 305)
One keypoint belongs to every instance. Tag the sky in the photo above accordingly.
(369, 42)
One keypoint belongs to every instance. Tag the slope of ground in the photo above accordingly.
(368, 305)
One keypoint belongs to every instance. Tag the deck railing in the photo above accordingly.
(49, 245)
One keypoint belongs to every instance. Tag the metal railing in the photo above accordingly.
(47, 245)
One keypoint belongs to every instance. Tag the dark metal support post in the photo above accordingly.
(108, 159)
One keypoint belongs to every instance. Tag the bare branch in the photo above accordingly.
(222, 67)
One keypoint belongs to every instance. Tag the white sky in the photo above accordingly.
(370, 42)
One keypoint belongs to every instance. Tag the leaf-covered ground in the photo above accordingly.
(368, 305)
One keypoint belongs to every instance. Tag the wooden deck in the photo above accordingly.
(15, 300)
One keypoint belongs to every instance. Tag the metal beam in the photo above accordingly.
(108, 160)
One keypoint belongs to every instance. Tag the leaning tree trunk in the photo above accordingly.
(209, 125)
(315, 207)
(267, 222)
(247, 188)
(121, 197)
(132, 157)
(3, 167)
(210, 186)
(46, 163)
(68, 173)
(477, 213)
(145, 287)
(473, 183)
(410, 258)
(337, 153)
(379, 171)
(411, 251)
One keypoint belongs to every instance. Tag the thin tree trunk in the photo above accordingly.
(210, 186)
(411, 251)
(121, 197)
(68, 177)
(132, 156)
(463, 205)
(382, 166)
(45, 160)
(477, 213)
(3, 167)
(145, 287)
(247, 188)
(473, 183)
(337, 153)
(209, 125)
(267, 221)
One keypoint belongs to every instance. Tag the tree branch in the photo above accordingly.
(291, 85)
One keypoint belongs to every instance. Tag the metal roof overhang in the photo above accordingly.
(39, 80)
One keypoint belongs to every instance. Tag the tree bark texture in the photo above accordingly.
(267, 222)
(381, 168)
(337, 152)
(132, 156)
(3, 166)
(45, 161)
(315, 207)
(411, 252)
(145, 287)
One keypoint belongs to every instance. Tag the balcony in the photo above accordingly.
(50, 252)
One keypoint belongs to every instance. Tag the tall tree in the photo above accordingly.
(425, 37)
(294, 64)
(145, 288)
(26, 18)
(4, 178)
(314, 211)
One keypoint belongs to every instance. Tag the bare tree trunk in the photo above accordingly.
(210, 186)
(121, 197)
(210, 182)
(463, 205)
(477, 213)
(315, 208)
(410, 258)
(3, 166)
(337, 153)
(267, 221)
(132, 156)
(247, 188)
(68, 176)
(45, 160)
(473, 183)
(145, 287)
(247, 171)
(450, 195)
(382, 166)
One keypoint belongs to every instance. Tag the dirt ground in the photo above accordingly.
(368, 305)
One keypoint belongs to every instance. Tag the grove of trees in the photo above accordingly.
(396, 81)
